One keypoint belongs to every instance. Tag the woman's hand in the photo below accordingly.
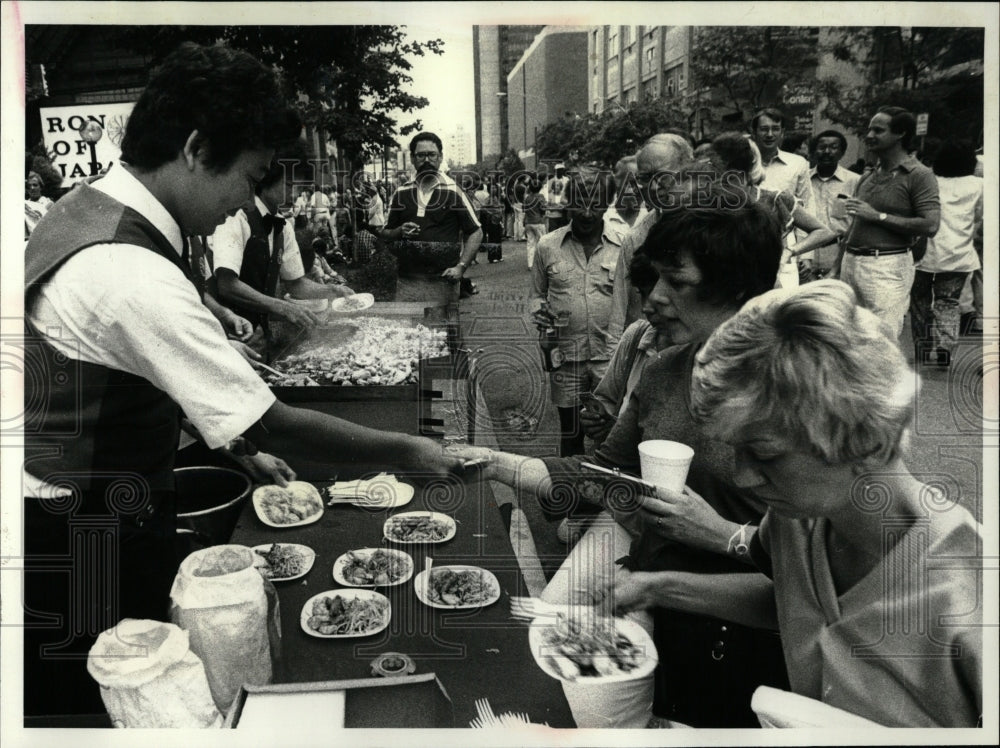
(685, 517)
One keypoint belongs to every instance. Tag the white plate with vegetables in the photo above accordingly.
(591, 650)
(419, 527)
(373, 567)
(341, 614)
(454, 587)
(297, 504)
(283, 562)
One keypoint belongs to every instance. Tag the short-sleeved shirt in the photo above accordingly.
(903, 646)
(129, 309)
(952, 248)
(830, 210)
(230, 240)
(445, 215)
(570, 282)
(909, 190)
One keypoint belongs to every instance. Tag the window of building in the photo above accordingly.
(612, 43)
(649, 91)
(627, 36)
(673, 79)
(650, 53)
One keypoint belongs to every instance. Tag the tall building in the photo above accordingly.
(458, 147)
(495, 49)
(548, 82)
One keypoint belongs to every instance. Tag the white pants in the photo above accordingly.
(583, 577)
(882, 284)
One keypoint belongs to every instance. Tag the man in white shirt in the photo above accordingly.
(248, 265)
(782, 170)
(112, 311)
(555, 199)
(830, 183)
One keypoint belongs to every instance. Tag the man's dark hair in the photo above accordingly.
(955, 158)
(829, 134)
(641, 273)
(737, 249)
(288, 157)
(587, 181)
(233, 101)
(429, 137)
(770, 113)
(901, 122)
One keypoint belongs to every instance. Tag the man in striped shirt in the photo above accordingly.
(432, 229)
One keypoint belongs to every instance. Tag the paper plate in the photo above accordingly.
(543, 652)
(420, 586)
(259, 562)
(416, 523)
(351, 304)
(341, 564)
(347, 595)
(300, 490)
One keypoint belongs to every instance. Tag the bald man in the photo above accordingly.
(664, 152)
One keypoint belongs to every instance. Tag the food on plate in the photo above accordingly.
(339, 615)
(412, 529)
(379, 352)
(575, 649)
(225, 560)
(379, 567)
(352, 303)
(384, 490)
(282, 561)
(460, 587)
(290, 504)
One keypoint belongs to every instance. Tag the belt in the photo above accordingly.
(868, 252)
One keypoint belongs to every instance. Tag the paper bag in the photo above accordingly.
(218, 597)
(149, 677)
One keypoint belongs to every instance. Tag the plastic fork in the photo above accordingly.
(486, 715)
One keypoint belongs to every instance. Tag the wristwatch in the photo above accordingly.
(882, 216)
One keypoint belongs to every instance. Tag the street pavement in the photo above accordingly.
(946, 448)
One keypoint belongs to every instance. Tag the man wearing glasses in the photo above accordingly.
(782, 170)
(432, 229)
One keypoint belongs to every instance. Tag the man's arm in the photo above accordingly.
(304, 433)
(539, 280)
(472, 232)
(233, 290)
(306, 288)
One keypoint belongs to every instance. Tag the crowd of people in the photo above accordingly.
(730, 297)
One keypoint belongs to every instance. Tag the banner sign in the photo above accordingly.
(68, 130)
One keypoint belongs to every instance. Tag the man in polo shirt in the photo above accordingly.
(432, 229)
(830, 183)
(115, 324)
(574, 274)
(782, 170)
(893, 205)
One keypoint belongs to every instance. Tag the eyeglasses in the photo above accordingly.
(772, 130)
(425, 156)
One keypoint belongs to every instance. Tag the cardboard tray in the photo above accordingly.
(409, 701)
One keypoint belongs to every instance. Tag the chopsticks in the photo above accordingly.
(265, 367)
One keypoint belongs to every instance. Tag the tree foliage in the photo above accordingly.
(930, 70)
(751, 65)
(347, 81)
(606, 137)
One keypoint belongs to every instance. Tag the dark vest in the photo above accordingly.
(112, 434)
(261, 263)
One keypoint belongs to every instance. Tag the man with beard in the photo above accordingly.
(830, 181)
(432, 229)
(573, 274)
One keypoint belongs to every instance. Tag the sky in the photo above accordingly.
(446, 80)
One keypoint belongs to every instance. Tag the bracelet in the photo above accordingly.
(738, 541)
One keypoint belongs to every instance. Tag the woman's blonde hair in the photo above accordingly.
(811, 366)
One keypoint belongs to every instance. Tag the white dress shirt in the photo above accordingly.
(127, 308)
